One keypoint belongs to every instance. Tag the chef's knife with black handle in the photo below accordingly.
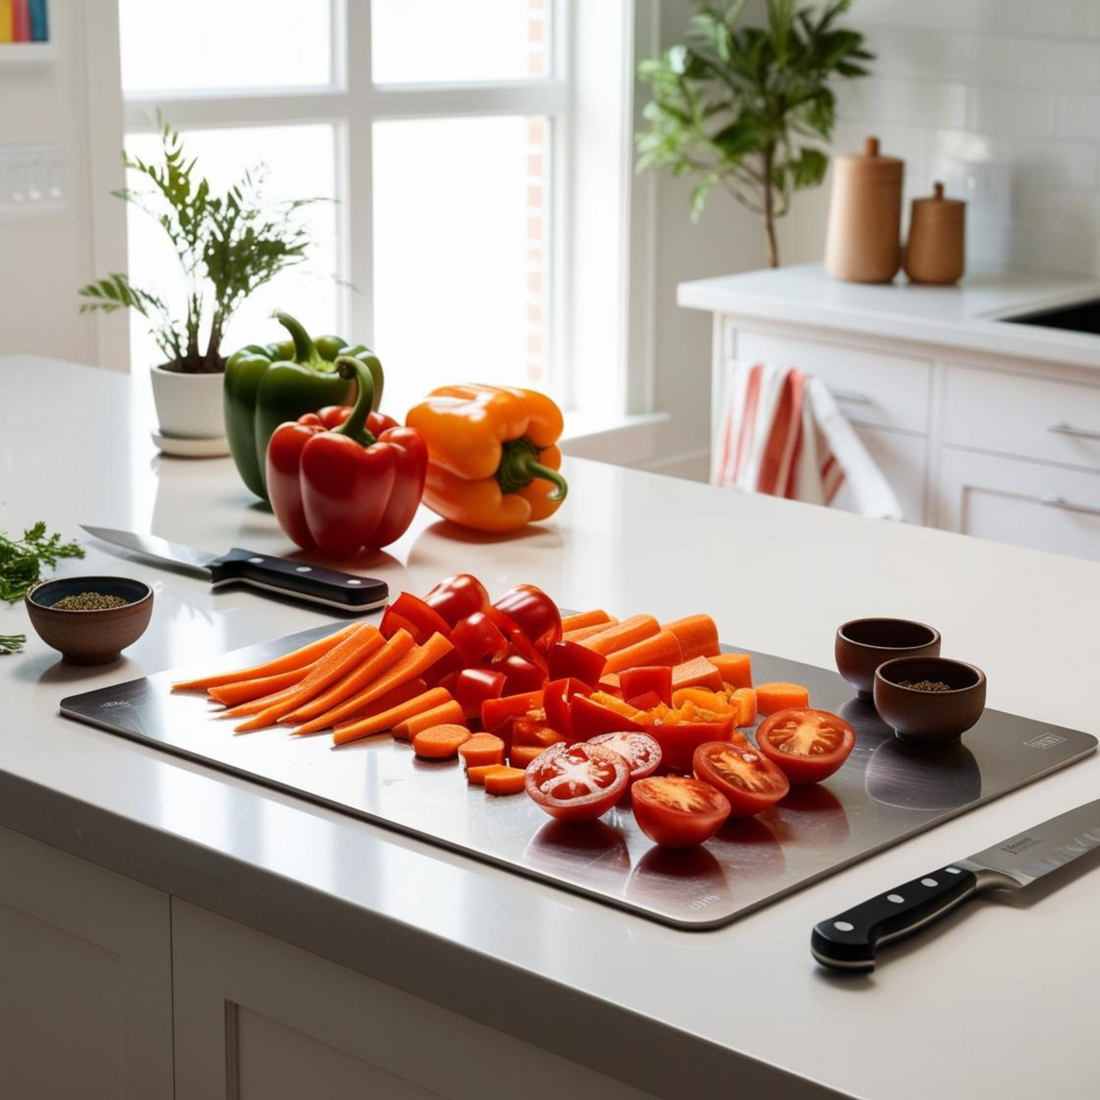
(848, 940)
(283, 576)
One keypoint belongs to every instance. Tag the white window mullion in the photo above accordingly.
(358, 184)
(207, 112)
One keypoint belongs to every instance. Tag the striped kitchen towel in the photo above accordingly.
(782, 433)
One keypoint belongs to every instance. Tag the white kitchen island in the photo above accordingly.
(169, 930)
(982, 426)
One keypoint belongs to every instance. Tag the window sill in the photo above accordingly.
(622, 440)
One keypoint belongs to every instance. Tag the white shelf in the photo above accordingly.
(18, 52)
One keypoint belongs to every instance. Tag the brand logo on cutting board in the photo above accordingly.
(1045, 741)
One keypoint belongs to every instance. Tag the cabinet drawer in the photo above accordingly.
(1026, 503)
(874, 388)
(1019, 415)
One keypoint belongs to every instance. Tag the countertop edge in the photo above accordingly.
(419, 963)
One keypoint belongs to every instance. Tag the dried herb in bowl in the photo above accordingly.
(21, 560)
(88, 601)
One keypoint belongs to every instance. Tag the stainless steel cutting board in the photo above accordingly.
(884, 793)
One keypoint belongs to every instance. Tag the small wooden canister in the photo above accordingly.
(936, 252)
(863, 241)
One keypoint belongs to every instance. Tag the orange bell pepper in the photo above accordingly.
(493, 459)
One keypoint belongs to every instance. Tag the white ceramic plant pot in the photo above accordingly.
(190, 412)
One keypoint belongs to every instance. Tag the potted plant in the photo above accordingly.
(742, 106)
(227, 245)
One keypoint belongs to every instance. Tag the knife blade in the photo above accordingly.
(266, 572)
(848, 940)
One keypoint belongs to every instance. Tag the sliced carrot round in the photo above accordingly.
(481, 749)
(504, 780)
(440, 742)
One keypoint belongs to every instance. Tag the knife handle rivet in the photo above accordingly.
(897, 899)
(256, 561)
(953, 870)
(928, 882)
(303, 569)
(843, 926)
(354, 581)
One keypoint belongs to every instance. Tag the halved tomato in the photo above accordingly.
(577, 782)
(748, 779)
(807, 745)
(677, 812)
(641, 753)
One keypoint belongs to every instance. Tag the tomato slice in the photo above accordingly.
(577, 782)
(641, 753)
(677, 812)
(749, 780)
(807, 745)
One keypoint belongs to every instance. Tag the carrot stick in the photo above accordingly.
(391, 699)
(440, 741)
(244, 691)
(298, 658)
(586, 618)
(583, 633)
(329, 668)
(392, 716)
(255, 706)
(482, 748)
(635, 629)
(736, 668)
(388, 652)
(446, 714)
(697, 635)
(411, 666)
(503, 780)
(698, 672)
(661, 648)
(780, 696)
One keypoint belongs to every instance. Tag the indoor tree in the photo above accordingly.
(744, 107)
(227, 246)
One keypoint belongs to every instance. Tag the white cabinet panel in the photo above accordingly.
(1027, 503)
(872, 387)
(85, 980)
(902, 460)
(1043, 418)
(258, 1018)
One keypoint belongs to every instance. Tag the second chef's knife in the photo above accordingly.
(285, 576)
(848, 940)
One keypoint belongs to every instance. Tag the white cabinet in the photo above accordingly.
(85, 980)
(903, 460)
(258, 1019)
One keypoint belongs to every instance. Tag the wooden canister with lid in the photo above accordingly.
(936, 252)
(863, 240)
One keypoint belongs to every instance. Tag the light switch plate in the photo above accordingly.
(32, 180)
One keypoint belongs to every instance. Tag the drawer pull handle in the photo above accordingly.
(855, 398)
(1069, 506)
(1069, 429)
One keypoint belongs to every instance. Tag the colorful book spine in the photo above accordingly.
(5, 21)
(20, 21)
(40, 29)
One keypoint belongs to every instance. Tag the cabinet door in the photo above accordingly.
(901, 458)
(85, 979)
(258, 1019)
(1027, 503)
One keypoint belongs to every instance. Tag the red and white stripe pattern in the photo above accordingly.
(770, 440)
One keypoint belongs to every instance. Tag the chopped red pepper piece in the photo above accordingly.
(556, 699)
(416, 617)
(649, 678)
(534, 613)
(521, 674)
(458, 597)
(473, 686)
(498, 713)
(590, 718)
(477, 637)
(571, 659)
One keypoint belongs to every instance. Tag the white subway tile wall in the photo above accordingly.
(1001, 100)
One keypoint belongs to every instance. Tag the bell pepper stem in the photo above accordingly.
(304, 349)
(519, 466)
(347, 366)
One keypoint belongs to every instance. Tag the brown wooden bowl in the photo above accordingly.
(929, 717)
(864, 644)
(90, 637)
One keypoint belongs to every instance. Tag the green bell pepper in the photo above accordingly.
(266, 385)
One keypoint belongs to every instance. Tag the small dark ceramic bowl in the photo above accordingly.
(90, 637)
(863, 644)
(929, 717)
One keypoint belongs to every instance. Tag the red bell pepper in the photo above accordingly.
(590, 718)
(679, 740)
(534, 613)
(458, 597)
(477, 637)
(473, 686)
(521, 674)
(639, 681)
(498, 713)
(415, 616)
(571, 659)
(556, 699)
(342, 481)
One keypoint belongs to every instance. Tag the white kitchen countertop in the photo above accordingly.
(999, 1000)
(962, 316)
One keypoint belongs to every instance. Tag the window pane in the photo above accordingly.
(299, 162)
(206, 45)
(460, 253)
(440, 41)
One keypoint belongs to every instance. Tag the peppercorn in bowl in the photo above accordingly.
(90, 620)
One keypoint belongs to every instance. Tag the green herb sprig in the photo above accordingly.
(11, 643)
(21, 560)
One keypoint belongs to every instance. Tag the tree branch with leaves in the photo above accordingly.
(227, 246)
(745, 108)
